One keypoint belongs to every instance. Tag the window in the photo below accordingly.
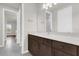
(9, 26)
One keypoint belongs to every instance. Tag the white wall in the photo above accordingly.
(54, 21)
(64, 20)
(30, 17)
(30, 25)
(33, 21)
(75, 18)
(41, 21)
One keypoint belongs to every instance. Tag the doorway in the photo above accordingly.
(10, 32)
(10, 26)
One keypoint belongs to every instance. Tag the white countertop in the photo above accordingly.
(67, 37)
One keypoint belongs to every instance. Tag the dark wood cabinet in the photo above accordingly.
(52, 48)
(35, 48)
(60, 53)
(39, 46)
(45, 47)
(33, 45)
(65, 48)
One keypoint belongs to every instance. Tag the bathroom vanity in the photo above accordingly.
(53, 45)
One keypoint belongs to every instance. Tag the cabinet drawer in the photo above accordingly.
(68, 48)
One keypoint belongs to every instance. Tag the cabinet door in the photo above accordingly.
(35, 48)
(68, 48)
(45, 47)
(33, 45)
(60, 53)
(45, 50)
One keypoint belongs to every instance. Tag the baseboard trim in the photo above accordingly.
(25, 52)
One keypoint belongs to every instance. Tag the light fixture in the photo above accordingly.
(47, 5)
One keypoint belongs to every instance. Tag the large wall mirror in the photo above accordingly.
(65, 18)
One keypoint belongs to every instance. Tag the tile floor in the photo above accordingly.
(27, 54)
(11, 48)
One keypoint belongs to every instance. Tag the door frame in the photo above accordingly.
(4, 24)
(23, 30)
